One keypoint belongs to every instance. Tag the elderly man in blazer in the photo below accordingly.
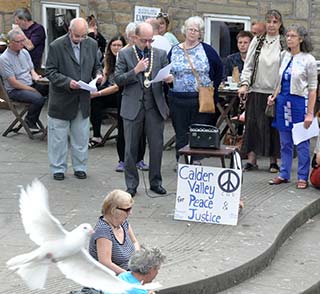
(143, 105)
(71, 58)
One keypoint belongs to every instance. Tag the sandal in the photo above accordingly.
(274, 168)
(302, 184)
(249, 167)
(94, 144)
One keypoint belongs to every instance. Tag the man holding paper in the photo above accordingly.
(71, 58)
(143, 105)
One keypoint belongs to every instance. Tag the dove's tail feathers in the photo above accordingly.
(16, 262)
(34, 274)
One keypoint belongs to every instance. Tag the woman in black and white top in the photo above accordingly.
(113, 241)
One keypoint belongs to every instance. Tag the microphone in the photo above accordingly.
(146, 52)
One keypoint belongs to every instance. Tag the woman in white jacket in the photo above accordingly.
(295, 99)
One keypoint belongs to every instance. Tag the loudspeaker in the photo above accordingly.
(204, 136)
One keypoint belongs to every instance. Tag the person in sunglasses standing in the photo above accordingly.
(113, 241)
(143, 105)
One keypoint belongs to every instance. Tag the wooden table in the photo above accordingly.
(222, 153)
(229, 99)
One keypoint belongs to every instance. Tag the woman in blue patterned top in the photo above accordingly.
(114, 242)
(183, 96)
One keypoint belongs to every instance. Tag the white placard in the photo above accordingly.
(141, 13)
(208, 194)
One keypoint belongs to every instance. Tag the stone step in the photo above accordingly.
(295, 268)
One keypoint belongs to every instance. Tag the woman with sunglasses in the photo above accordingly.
(113, 241)
(164, 28)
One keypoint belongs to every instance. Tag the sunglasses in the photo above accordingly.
(162, 14)
(125, 209)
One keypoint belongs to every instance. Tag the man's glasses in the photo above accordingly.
(82, 37)
(19, 41)
(125, 209)
(144, 41)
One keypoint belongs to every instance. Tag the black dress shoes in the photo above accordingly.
(58, 176)
(158, 189)
(80, 174)
(131, 191)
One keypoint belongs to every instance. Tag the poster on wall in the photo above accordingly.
(208, 194)
(141, 13)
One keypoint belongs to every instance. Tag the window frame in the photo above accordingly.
(56, 5)
(208, 18)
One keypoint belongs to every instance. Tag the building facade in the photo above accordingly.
(114, 15)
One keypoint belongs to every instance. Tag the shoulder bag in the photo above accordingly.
(206, 94)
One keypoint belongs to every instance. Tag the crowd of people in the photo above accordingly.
(125, 66)
(275, 67)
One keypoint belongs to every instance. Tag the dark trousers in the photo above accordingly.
(120, 140)
(36, 98)
(153, 124)
(184, 112)
(98, 105)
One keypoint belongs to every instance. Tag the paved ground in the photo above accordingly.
(201, 258)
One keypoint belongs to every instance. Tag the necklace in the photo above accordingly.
(112, 225)
(146, 82)
(269, 42)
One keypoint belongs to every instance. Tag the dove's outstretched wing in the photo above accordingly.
(85, 270)
(37, 219)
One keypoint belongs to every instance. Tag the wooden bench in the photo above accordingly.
(222, 153)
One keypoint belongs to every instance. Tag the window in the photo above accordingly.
(221, 31)
(56, 19)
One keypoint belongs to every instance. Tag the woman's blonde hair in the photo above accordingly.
(115, 199)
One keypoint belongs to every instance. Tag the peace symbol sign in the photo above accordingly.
(228, 181)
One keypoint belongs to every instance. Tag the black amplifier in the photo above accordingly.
(204, 136)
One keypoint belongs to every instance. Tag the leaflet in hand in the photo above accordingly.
(300, 133)
(162, 74)
(91, 87)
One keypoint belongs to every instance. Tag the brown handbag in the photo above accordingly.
(206, 94)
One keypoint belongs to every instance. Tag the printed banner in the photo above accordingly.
(208, 194)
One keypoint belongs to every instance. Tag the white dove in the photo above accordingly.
(56, 245)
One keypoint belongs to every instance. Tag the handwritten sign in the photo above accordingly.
(208, 194)
(141, 13)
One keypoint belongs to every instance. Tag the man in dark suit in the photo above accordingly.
(143, 105)
(71, 58)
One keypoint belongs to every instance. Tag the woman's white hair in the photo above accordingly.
(193, 20)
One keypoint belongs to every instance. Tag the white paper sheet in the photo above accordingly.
(300, 134)
(91, 87)
(162, 74)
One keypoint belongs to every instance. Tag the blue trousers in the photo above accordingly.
(287, 157)
(34, 97)
(58, 131)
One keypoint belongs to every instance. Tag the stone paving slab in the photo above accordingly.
(201, 258)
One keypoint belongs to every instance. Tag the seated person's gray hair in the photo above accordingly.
(13, 34)
(143, 260)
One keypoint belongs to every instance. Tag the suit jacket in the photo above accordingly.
(132, 93)
(61, 67)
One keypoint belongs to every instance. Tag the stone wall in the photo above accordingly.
(114, 15)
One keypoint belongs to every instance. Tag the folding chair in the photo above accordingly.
(112, 115)
(19, 110)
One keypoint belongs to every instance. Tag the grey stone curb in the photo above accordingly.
(228, 279)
